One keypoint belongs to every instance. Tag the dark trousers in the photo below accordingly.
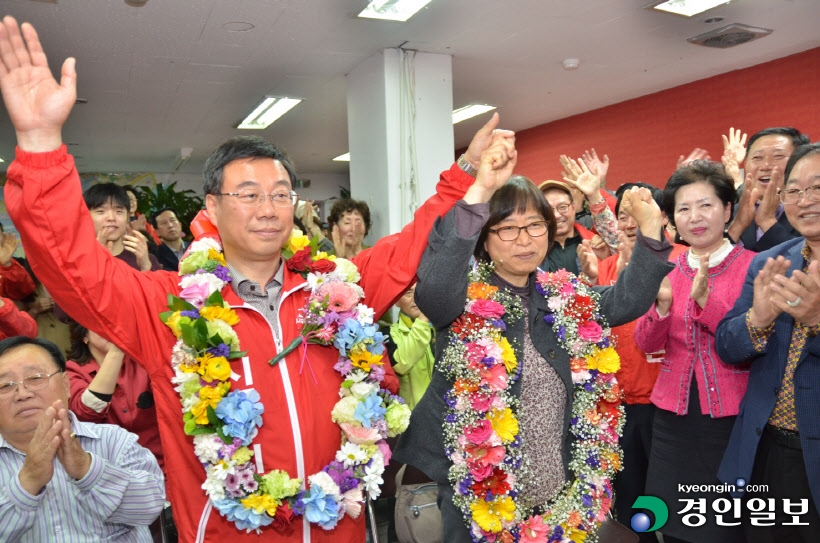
(779, 464)
(636, 443)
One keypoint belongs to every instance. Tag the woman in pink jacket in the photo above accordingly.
(696, 394)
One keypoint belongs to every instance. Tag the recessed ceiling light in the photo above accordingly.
(267, 112)
(688, 8)
(343, 158)
(466, 112)
(392, 10)
(238, 26)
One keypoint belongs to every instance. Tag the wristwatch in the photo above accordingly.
(466, 167)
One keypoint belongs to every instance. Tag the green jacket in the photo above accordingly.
(413, 360)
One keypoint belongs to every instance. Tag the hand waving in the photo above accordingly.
(596, 165)
(735, 144)
(37, 105)
(696, 154)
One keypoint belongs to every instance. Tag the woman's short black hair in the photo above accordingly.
(348, 205)
(699, 171)
(19, 341)
(517, 194)
(78, 351)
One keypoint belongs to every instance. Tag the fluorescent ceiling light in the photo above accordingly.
(392, 10)
(343, 158)
(268, 111)
(688, 8)
(1, 159)
(467, 112)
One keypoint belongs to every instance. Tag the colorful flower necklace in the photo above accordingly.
(481, 433)
(224, 421)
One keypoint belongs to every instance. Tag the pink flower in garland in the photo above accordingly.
(340, 296)
(359, 434)
(487, 309)
(479, 432)
(534, 530)
(196, 294)
(495, 377)
(591, 332)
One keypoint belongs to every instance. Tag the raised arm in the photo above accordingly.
(389, 267)
(101, 292)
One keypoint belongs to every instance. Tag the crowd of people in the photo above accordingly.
(561, 349)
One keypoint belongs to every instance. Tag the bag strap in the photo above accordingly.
(399, 477)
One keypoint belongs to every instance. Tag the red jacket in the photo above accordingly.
(131, 407)
(15, 282)
(120, 303)
(14, 322)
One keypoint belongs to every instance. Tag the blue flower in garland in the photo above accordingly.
(369, 410)
(220, 350)
(243, 517)
(353, 332)
(241, 413)
(319, 508)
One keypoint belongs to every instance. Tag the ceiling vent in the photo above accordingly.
(729, 36)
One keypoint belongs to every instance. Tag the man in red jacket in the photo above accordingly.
(246, 180)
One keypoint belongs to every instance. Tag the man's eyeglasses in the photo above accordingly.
(511, 233)
(562, 208)
(37, 381)
(255, 198)
(792, 196)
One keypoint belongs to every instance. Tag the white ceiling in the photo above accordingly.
(168, 75)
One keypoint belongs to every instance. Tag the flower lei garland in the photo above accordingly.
(224, 421)
(481, 427)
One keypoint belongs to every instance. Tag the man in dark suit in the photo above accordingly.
(775, 325)
(169, 230)
(759, 222)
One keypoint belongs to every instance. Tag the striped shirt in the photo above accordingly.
(122, 493)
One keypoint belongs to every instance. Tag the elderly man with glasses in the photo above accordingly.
(774, 448)
(61, 479)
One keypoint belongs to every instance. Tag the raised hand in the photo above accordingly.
(134, 242)
(764, 310)
(38, 467)
(486, 136)
(588, 260)
(495, 169)
(599, 247)
(75, 460)
(638, 202)
(625, 247)
(745, 212)
(696, 154)
(338, 248)
(37, 105)
(139, 223)
(735, 144)
(571, 168)
(766, 213)
(700, 284)
(8, 244)
(799, 295)
(587, 182)
(600, 167)
(732, 167)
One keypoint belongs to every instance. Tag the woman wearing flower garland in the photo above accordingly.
(524, 370)
(697, 394)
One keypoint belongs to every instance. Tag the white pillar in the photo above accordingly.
(400, 133)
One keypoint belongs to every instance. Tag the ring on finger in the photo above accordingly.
(794, 303)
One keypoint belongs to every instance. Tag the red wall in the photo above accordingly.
(644, 136)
